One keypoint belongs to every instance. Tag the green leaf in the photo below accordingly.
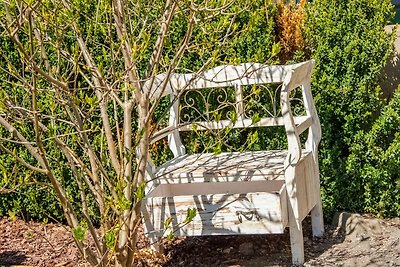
(254, 137)
(190, 214)
(170, 236)
(217, 116)
(255, 119)
(276, 48)
(168, 222)
(12, 215)
(79, 233)
(140, 191)
(110, 239)
(233, 117)
(227, 129)
(218, 149)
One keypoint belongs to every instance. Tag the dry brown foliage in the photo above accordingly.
(147, 257)
(290, 20)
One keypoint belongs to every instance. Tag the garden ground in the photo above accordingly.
(352, 240)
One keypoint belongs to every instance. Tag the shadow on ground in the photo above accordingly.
(248, 250)
(12, 257)
(351, 240)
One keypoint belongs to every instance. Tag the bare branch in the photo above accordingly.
(99, 83)
(32, 64)
(171, 67)
(169, 12)
(85, 208)
(23, 162)
(17, 135)
(130, 68)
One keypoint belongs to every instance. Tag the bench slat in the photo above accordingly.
(245, 123)
(222, 208)
(256, 165)
(304, 125)
(302, 122)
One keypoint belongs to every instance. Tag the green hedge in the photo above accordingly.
(374, 161)
(350, 47)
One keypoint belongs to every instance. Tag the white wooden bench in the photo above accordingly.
(257, 192)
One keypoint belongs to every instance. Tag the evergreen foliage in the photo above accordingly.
(348, 42)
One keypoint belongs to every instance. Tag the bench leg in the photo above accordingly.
(296, 243)
(155, 243)
(148, 227)
(317, 219)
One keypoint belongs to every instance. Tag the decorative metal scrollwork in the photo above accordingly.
(297, 102)
(263, 100)
(206, 104)
(214, 104)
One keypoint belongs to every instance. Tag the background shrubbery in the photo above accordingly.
(374, 162)
(359, 153)
(350, 47)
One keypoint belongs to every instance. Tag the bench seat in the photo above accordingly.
(228, 167)
(233, 193)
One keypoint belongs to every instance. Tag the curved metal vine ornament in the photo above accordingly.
(297, 102)
(263, 101)
(190, 106)
(215, 104)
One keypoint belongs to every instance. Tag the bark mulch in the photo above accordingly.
(365, 241)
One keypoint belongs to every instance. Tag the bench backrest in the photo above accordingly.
(289, 76)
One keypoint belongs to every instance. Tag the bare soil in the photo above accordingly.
(353, 240)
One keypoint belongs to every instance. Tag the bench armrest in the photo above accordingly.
(299, 76)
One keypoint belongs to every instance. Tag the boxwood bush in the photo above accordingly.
(348, 42)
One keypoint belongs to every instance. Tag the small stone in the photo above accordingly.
(356, 227)
(246, 249)
(227, 250)
(362, 237)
